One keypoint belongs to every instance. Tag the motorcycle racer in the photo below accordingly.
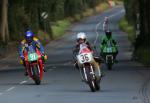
(30, 39)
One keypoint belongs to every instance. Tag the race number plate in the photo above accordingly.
(84, 58)
(32, 57)
(109, 50)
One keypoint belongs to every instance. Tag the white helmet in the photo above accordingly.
(81, 35)
(106, 18)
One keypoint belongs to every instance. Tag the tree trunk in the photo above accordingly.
(4, 21)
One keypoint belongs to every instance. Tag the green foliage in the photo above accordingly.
(59, 27)
(73, 7)
(119, 2)
(26, 14)
(43, 36)
(125, 26)
(143, 54)
(131, 7)
(142, 42)
(57, 10)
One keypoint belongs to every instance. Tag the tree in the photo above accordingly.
(23, 14)
(142, 7)
(4, 21)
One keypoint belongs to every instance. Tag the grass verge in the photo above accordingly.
(102, 7)
(143, 54)
(118, 2)
(59, 27)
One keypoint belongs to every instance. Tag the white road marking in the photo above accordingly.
(50, 69)
(11, 88)
(116, 14)
(97, 25)
(97, 34)
(23, 82)
(53, 67)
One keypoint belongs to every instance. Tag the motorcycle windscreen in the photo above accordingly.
(84, 49)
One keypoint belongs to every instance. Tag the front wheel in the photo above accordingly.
(92, 86)
(90, 78)
(97, 84)
(37, 81)
(36, 75)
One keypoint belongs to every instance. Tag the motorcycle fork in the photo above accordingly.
(32, 65)
(91, 70)
(85, 75)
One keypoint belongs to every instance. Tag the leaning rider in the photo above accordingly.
(30, 39)
(82, 38)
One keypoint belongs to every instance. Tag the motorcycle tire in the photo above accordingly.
(36, 75)
(97, 84)
(109, 66)
(91, 81)
(92, 86)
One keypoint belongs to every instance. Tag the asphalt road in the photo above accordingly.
(128, 82)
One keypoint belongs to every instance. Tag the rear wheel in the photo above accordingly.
(109, 66)
(109, 61)
(36, 76)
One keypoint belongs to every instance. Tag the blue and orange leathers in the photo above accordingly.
(35, 43)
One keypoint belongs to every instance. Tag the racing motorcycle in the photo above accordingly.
(84, 58)
(109, 58)
(34, 64)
